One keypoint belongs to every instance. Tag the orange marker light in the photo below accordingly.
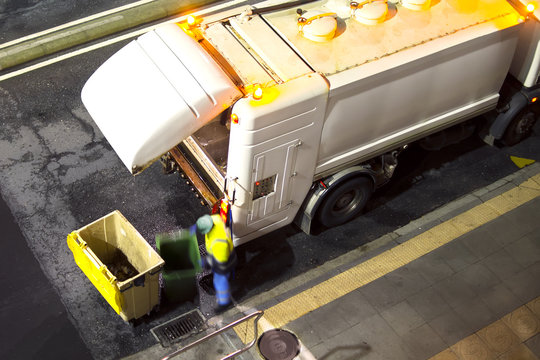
(533, 100)
(191, 20)
(257, 93)
(531, 7)
(234, 118)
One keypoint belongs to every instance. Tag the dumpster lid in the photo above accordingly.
(155, 92)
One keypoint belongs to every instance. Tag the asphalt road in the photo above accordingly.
(58, 173)
(35, 323)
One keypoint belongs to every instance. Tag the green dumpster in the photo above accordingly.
(180, 251)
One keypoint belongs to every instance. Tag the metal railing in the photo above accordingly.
(257, 314)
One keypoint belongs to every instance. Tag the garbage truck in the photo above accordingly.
(297, 111)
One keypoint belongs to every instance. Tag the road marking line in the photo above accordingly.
(59, 36)
(115, 40)
(71, 54)
(327, 291)
(73, 23)
(521, 162)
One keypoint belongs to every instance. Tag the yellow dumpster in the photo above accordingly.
(120, 263)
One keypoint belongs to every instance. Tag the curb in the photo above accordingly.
(465, 203)
(51, 43)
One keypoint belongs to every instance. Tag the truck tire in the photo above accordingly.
(520, 127)
(345, 202)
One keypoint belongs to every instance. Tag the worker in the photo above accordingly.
(221, 257)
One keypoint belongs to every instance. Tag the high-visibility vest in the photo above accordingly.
(218, 241)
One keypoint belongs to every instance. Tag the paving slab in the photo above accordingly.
(481, 243)
(523, 285)
(534, 345)
(457, 255)
(434, 268)
(429, 304)
(500, 300)
(475, 314)
(422, 342)
(502, 264)
(506, 230)
(381, 294)
(403, 318)
(455, 291)
(450, 327)
(479, 277)
(525, 251)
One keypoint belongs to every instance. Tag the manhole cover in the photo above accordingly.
(179, 328)
(278, 344)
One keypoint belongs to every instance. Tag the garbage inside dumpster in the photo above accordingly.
(120, 264)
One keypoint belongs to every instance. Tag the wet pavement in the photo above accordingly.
(35, 323)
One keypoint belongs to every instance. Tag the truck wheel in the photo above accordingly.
(520, 127)
(345, 201)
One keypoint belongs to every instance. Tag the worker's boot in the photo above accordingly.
(219, 308)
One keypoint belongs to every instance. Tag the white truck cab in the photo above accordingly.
(299, 111)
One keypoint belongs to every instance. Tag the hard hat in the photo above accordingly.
(205, 224)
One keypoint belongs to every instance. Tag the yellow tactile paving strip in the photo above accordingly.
(501, 340)
(298, 305)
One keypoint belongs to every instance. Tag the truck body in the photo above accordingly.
(298, 111)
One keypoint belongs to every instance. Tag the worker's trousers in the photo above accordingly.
(221, 285)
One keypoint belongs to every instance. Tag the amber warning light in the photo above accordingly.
(257, 93)
(531, 7)
(193, 21)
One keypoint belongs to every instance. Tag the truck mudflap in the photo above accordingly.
(155, 92)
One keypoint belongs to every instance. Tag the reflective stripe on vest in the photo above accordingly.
(218, 241)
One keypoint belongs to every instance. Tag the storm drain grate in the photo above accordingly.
(179, 328)
(202, 250)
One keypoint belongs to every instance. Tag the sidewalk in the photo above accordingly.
(459, 283)
(478, 297)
